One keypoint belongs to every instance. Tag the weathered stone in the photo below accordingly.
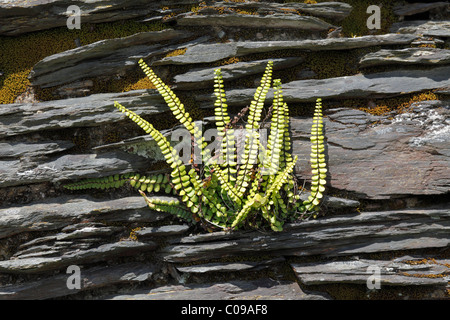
(423, 28)
(27, 16)
(91, 278)
(60, 212)
(69, 167)
(248, 47)
(18, 149)
(425, 56)
(412, 150)
(88, 111)
(415, 8)
(162, 231)
(205, 53)
(399, 272)
(331, 10)
(102, 58)
(253, 21)
(374, 85)
(80, 257)
(204, 78)
(230, 266)
(330, 236)
(261, 289)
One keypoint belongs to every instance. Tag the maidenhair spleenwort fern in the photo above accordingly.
(223, 192)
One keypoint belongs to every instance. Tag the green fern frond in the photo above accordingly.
(174, 207)
(115, 181)
(317, 159)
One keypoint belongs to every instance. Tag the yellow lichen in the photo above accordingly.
(177, 52)
(19, 54)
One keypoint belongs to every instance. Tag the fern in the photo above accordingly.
(219, 192)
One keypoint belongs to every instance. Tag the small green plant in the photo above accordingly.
(224, 191)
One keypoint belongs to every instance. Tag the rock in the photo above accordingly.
(105, 58)
(163, 231)
(204, 78)
(19, 149)
(79, 257)
(374, 85)
(57, 213)
(368, 232)
(94, 110)
(249, 47)
(20, 17)
(201, 53)
(331, 10)
(422, 27)
(230, 266)
(69, 167)
(415, 8)
(425, 56)
(412, 150)
(261, 289)
(253, 21)
(399, 272)
(91, 279)
(205, 53)
(75, 89)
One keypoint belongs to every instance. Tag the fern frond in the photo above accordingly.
(173, 207)
(317, 159)
(115, 181)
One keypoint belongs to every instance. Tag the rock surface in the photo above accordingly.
(388, 174)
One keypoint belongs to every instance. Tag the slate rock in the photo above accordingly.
(329, 236)
(91, 278)
(204, 78)
(261, 289)
(399, 272)
(57, 213)
(104, 58)
(80, 257)
(407, 56)
(69, 167)
(412, 150)
(360, 86)
(415, 8)
(254, 21)
(94, 110)
(426, 28)
(20, 17)
(19, 149)
(163, 231)
(230, 266)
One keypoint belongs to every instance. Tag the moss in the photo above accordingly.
(19, 54)
(175, 53)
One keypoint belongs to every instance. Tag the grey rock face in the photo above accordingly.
(204, 78)
(103, 58)
(270, 21)
(408, 56)
(266, 289)
(423, 28)
(94, 110)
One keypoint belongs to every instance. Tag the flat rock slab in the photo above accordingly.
(374, 85)
(103, 58)
(405, 156)
(408, 56)
(101, 253)
(204, 78)
(205, 53)
(11, 150)
(91, 278)
(423, 28)
(391, 273)
(253, 21)
(230, 266)
(415, 8)
(20, 17)
(338, 235)
(61, 212)
(90, 111)
(261, 289)
(69, 167)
